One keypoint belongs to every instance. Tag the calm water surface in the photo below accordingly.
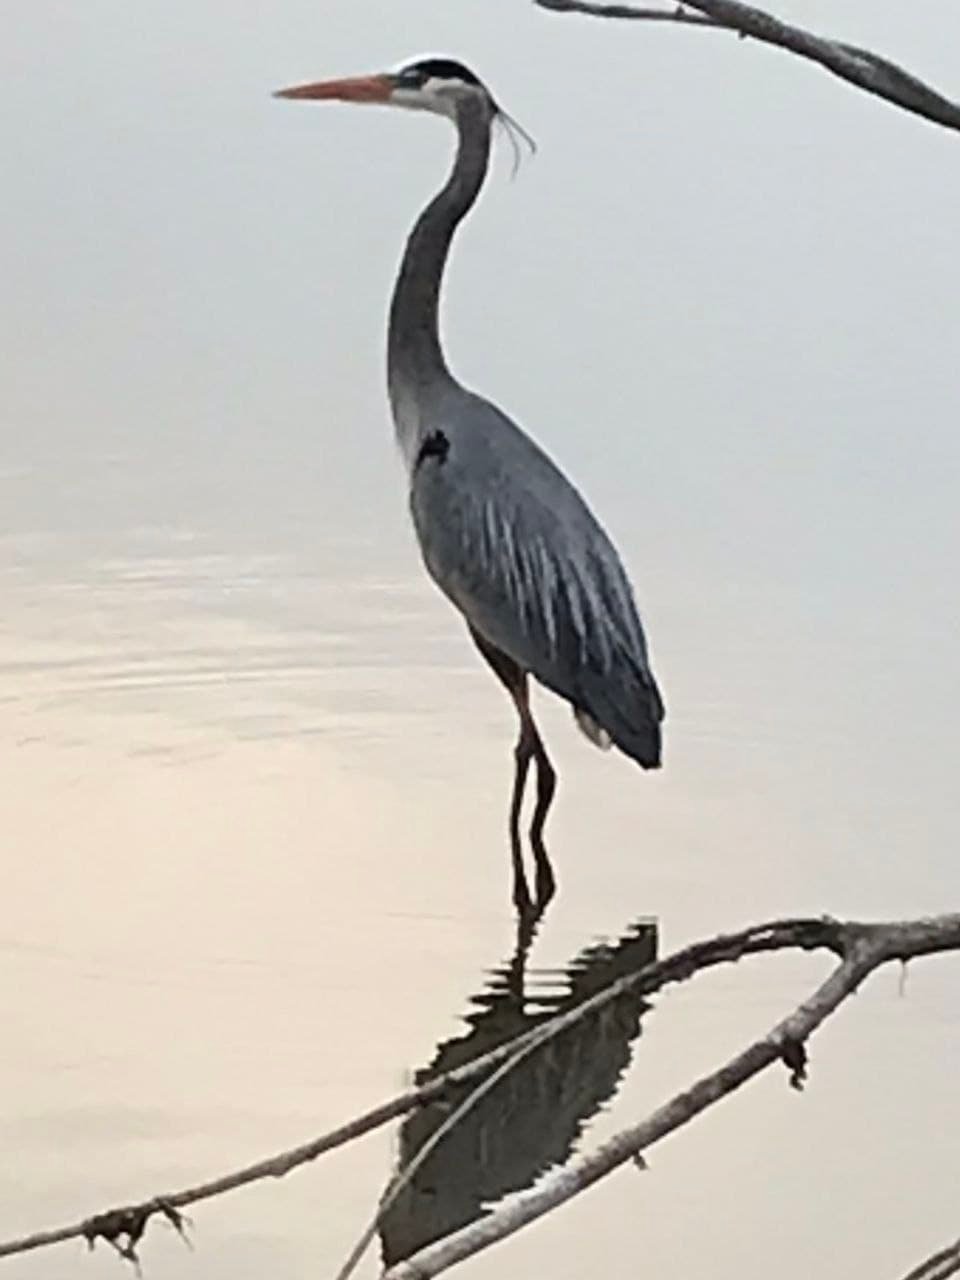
(256, 877)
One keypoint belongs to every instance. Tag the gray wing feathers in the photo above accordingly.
(513, 545)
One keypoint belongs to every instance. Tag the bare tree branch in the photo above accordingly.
(863, 948)
(630, 12)
(861, 67)
(939, 1266)
(124, 1226)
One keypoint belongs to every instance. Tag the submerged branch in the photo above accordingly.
(860, 67)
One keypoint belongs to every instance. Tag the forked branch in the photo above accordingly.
(124, 1226)
(860, 947)
(863, 948)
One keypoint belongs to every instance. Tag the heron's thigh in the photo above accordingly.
(507, 671)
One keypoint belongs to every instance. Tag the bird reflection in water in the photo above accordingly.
(532, 1119)
(530, 909)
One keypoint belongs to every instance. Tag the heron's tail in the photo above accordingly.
(626, 712)
(642, 744)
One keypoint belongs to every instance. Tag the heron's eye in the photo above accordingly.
(410, 78)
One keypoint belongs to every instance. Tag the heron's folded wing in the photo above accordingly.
(538, 579)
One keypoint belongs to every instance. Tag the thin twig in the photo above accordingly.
(404, 1176)
(863, 947)
(861, 67)
(130, 1220)
(629, 12)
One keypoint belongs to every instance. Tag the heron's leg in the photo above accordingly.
(546, 789)
(514, 679)
(529, 746)
(521, 892)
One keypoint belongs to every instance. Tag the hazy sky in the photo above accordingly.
(724, 270)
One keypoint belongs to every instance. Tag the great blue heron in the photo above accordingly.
(504, 534)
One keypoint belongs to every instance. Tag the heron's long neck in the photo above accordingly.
(414, 353)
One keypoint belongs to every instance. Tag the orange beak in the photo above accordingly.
(356, 89)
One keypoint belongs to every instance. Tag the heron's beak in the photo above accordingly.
(356, 89)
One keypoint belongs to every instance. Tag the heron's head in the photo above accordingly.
(439, 85)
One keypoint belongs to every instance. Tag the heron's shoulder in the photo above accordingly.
(503, 460)
(486, 426)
